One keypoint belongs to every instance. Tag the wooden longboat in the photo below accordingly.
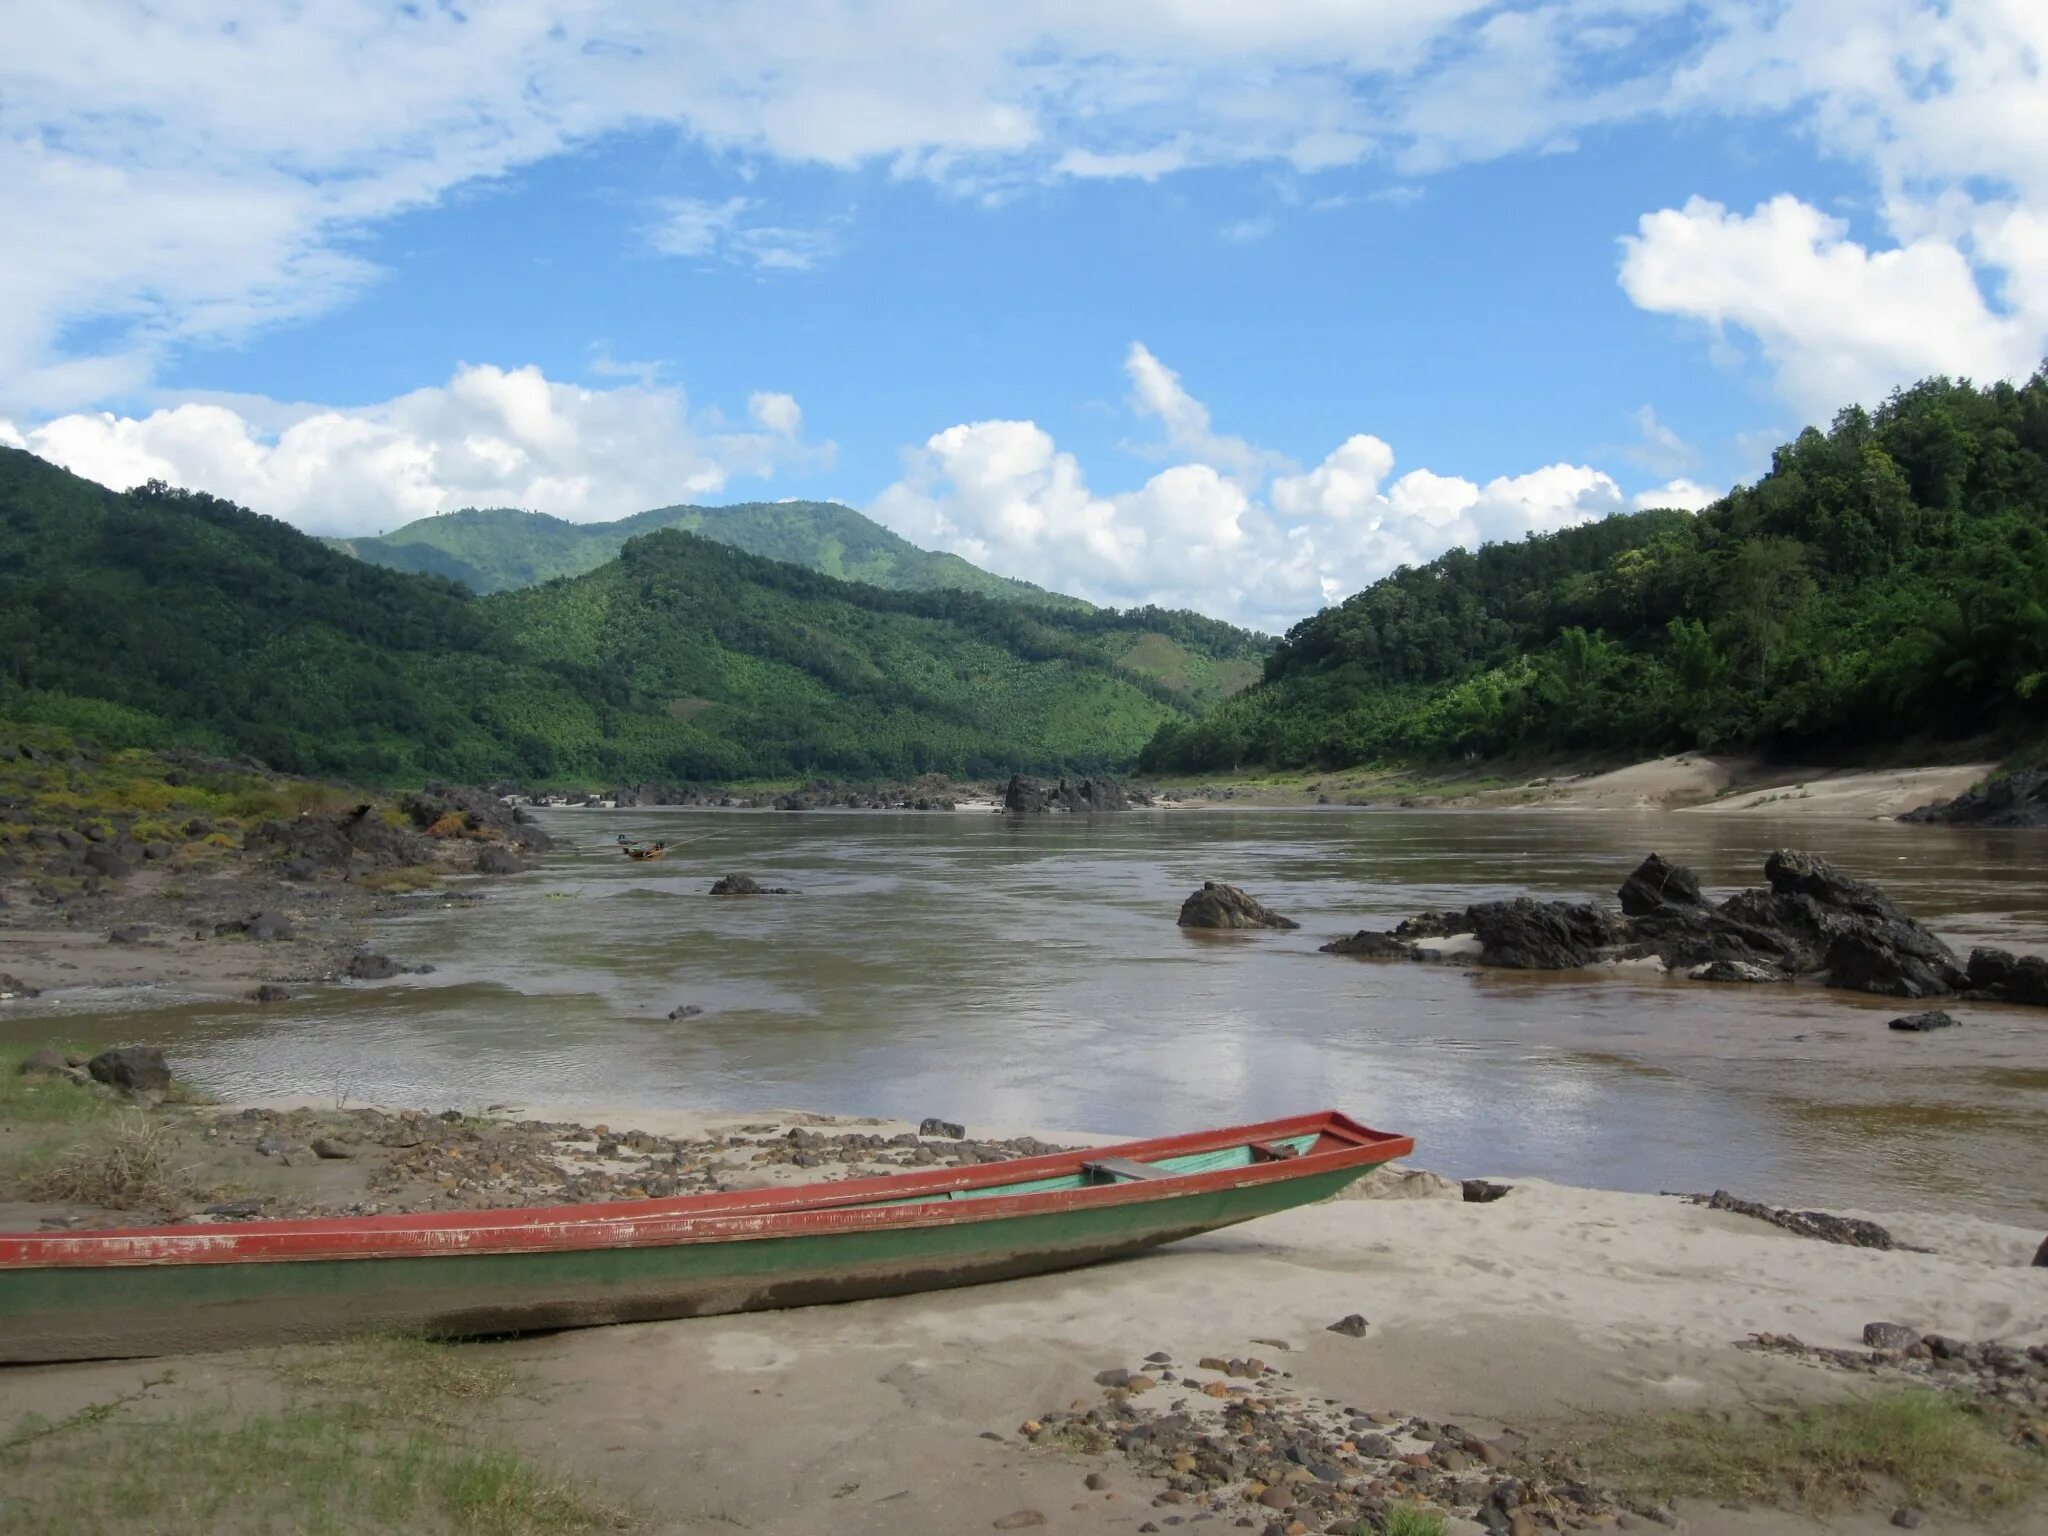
(167, 1290)
(658, 851)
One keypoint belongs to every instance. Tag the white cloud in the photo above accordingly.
(1838, 321)
(1248, 231)
(489, 437)
(1685, 495)
(1200, 534)
(698, 227)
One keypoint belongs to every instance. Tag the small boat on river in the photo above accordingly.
(172, 1289)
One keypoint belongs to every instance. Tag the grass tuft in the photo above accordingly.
(41, 1098)
(1409, 1520)
(128, 1164)
(1933, 1447)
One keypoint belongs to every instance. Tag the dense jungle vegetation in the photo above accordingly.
(165, 616)
(1885, 582)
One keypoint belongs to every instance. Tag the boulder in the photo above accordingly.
(1371, 946)
(1919, 1023)
(111, 860)
(1432, 924)
(933, 1126)
(270, 992)
(1225, 906)
(1795, 873)
(2041, 1255)
(1530, 935)
(1893, 956)
(1998, 975)
(1022, 796)
(1657, 882)
(373, 968)
(129, 933)
(132, 1069)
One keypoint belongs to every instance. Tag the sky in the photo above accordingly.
(1227, 304)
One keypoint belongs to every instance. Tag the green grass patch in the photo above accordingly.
(1933, 1448)
(42, 1099)
(380, 1434)
(1409, 1520)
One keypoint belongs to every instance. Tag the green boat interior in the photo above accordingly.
(1123, 1170)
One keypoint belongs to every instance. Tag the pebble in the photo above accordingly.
(1095, 1482)
(1908, 1518)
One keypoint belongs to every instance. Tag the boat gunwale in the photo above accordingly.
(750, 1215)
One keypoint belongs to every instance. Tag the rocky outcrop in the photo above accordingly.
(347, 844)
(1225, 906)
(1023, 797)
(2011, 800)
(1530, 935)
(1810, 920)
(1999, 976)
(448, 810)
(1084, 797)
(1658, 883)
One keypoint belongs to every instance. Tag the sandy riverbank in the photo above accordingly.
(1687, 781)
(1531, 1314)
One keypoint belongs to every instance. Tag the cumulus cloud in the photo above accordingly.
(1685, 495)
(1228, 538)
(489, 437)
(1946, 105)
(1838, 321)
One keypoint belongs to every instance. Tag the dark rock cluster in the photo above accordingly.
(1847, 1230)
(1808, 920)
(2011, 800)
(1085, 797)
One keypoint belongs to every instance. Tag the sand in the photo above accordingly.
(1530, 1311)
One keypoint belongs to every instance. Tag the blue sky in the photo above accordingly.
(1232, 305)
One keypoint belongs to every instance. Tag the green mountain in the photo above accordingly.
(499, 548)
(1886, 581)
(162, 616)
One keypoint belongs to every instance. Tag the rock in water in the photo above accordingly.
(2015, 800)
(1733, 970)
(1526, 934)
(132, 1069)
(1657, 882)
(373, 968)
(1933, 1018)
(492, 859)
(1225, 906)
(1371, 946)
(2004, 977)
(747, 885)
(1022, 796)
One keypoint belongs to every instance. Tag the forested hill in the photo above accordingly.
(1886, 581)
(163, 616)
(499, 548)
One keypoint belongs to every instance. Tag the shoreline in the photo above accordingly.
(1528, 1321)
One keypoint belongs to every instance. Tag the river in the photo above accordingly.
(1028, 973)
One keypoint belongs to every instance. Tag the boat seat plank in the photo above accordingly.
(1115, 1168)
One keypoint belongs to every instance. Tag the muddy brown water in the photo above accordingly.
(1012, 974)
